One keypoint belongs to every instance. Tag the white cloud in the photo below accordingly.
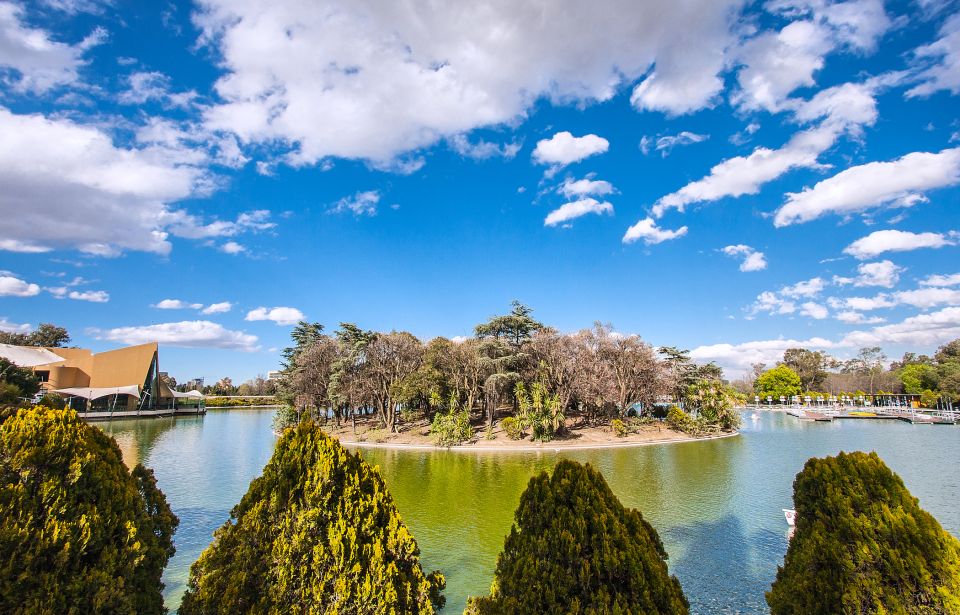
(11, 327)
(35, 63)
(482, 150)
(920, 330)
(575, 209)
(191, 227)
(650, 233)
(66, 185)
(666, 143)
(941, 280)
(806, 288)
(928, 297)
(737, 358)
(372, 80)
(879, 242)
(814, 310)
(771, 303)
(24, 247)
(279, 315)
(944, 73)
(880, 273)
(15, 287)
(361, 203)
(188, 333)
(587, 186)
(563, 148)
(176, 304)
(217, 308)
(871, 185)
(232, 247)
(93, 296)
(752, 259)
(146, 86)
(866, 304)
(851, 317)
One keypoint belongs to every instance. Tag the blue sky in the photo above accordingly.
(733, 178)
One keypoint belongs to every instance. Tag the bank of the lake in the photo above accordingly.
(716, 504)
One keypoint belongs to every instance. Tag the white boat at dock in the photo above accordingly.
(791, 516)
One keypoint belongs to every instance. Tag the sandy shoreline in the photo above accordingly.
(526, 446)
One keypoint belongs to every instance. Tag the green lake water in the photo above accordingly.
(716, 504)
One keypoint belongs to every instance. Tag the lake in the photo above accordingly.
(716, 504)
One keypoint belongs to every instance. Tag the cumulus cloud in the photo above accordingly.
(233, 248)
(941, 280)
(31, 61)
(920, 330)
(176, 304)
(576, 209)
(11, 286)
(879, 242)
(852, 317)
(572, 188)
(187, 333)
(650, 233)
(943, 72)
(279, 315)
(563, 148)
(814, 310)
(881, 273)
(217, 308)
(805, 288)
(93, 296)
(784, 300)
(928, 297)
(360, 204)
(752, 259)
(146, 86)
(483, 150)
(899, 182)
(738, 358)
(11, 327)
(66, 185)
(368, 80)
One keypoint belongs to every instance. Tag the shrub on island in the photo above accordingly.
(864, 545)
(79, 533)
(317, 532)
(574, 548)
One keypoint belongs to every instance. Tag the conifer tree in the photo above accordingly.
(318, 532)
(79, 533)
(574, 548)
(864, 545)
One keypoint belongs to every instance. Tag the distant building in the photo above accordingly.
(122, 380)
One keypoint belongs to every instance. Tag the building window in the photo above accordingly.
(43, 376)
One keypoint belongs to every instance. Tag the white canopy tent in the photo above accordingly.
(96, 393)
(28, 356)
(188, 394)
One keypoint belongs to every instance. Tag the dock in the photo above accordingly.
(889, 414)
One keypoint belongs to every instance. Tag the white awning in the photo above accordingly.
(28, 356)
(97, 393)
(188, 394)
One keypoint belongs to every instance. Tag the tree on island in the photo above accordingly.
(48, 335)
(781, 381)
(864, 545)
(317, 532)
(574, 548)
(16, 382)
(79, 533)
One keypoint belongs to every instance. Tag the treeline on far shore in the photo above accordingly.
(318, 531)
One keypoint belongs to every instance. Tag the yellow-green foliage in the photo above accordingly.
(864, 545)
(512, 427)
(679, 420)
(233, 402)
(619, 428)
(79, 533)
(318, 532)
(575, 549)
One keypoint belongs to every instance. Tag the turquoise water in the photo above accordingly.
(716, 504)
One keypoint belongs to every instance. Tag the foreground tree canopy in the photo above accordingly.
(574, 548)
(318, 532)
(863, 545)
(79, 533)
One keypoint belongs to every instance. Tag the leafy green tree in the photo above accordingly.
(781, 381)
(864, 545)
(16, 382)
(917, 378)
(810, 365)
(46, 334)
(318, 532)
(715, 403)
(79, 533)
(574, 548)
